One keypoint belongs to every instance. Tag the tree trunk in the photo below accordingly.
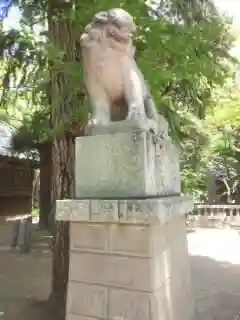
(63, 151)
(45, 203)
(63, 157)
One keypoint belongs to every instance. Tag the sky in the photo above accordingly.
(12, 21)
(231, 7)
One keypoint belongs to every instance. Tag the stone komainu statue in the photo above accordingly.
(114, 83)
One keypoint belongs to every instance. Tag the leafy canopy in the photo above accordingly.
(182, 48)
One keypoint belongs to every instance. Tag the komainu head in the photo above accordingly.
(114, 28)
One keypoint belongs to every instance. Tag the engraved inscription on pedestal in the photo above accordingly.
(74, 210)
(104, 210)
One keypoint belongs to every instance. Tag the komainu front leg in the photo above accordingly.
(134, 96)
(100, 109)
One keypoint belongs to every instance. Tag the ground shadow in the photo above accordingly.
(25, 280)
(216, 287)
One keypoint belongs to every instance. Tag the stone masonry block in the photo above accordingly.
(108, 270)
(139, 210)
(124, 239)
(133, 266)
(126, 164)
(145, 274)
(140, 240)
(112, 162)
(142, 211)
(129, 305)
(121, 239)
(87, 300)
(89, 237)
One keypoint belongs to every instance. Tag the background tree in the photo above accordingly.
(223, 149)
(62, 38)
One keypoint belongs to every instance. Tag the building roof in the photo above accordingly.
(6, 148)
(6, 134)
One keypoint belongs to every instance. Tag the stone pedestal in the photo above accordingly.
(128, 259)
(125, 160)
(128, 250)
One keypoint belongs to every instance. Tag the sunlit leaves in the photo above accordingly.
(183, 51)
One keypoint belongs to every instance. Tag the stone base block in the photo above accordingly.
(126, 163)
(133, 268)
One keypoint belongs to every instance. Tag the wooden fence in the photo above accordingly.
(214, 216)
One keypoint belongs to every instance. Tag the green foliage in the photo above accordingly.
(224, 142)
(220, 150)
(35, 212)
(182, 49)
(185, 57)
(194, 183)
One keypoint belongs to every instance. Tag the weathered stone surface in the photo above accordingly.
(130, 162)
(143, 270)
(115, 165)
(137, 241)
(167, 169)
(104, 209)
(72, 210)
(88, 236)
(149, 211)
(129, 305)
(101, 269)
(87, 299)
(120, 239)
